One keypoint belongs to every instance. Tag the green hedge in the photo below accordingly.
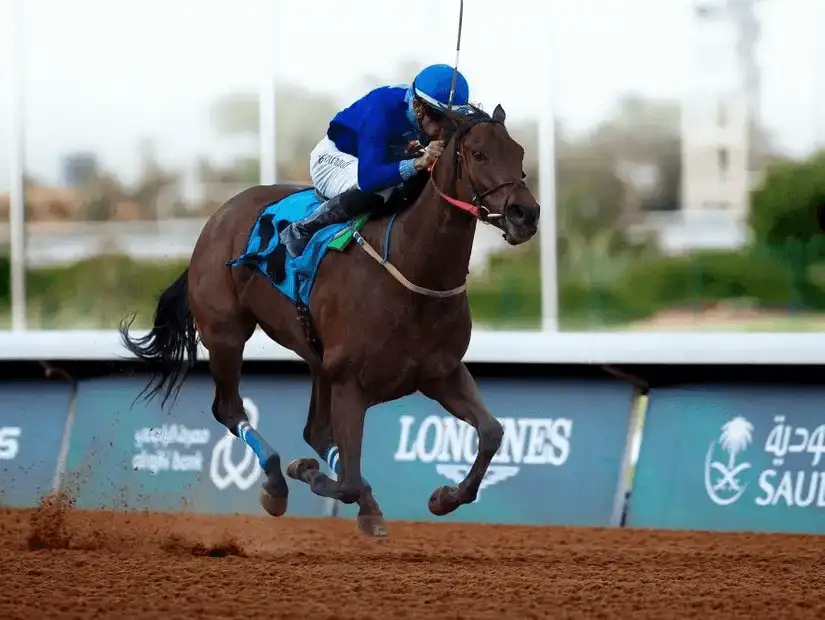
(508, 295)
(511, 296)
(654, 285)
(98, 292)
(5, 276)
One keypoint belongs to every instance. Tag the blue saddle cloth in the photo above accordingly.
(294, 277)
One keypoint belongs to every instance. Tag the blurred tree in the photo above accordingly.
(627, 163)
(785, 205)
(784, 214)
(156, 190)
(155, 193)
(102, 192)
(640, 142)
(301, 120)
(591, 197)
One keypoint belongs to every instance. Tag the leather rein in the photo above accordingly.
(475, 207)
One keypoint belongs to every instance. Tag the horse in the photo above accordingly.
(366, 338)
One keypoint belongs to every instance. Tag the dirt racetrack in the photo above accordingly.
(56, 562)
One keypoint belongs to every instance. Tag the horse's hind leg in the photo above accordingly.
(318, 428)
(225, 346)
(321, 433)
(459, 395)
(318, 431)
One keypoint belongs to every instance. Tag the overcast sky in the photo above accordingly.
(101, 74)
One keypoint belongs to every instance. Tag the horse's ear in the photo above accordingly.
(499, 115)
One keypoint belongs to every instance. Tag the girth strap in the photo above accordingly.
(363, 243)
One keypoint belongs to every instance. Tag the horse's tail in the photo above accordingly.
(171, 347)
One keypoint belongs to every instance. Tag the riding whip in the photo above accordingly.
(457, 51)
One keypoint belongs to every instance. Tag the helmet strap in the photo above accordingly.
(418, 118)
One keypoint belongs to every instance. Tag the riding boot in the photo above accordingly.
(337, 210)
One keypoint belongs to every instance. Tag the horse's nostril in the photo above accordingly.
(516, 213)
(521, 214)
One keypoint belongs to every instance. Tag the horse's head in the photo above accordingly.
(488, 167)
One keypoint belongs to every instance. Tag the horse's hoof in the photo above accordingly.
(444, 500)
(299, 466)
(274, 506)
(372, 525)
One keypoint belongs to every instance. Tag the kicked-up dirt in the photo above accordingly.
(57, 562)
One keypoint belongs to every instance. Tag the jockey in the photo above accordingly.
(364, 151)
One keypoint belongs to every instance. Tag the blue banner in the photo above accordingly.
(32, 422)
(732, 458)
(143, 458)
(559, 463)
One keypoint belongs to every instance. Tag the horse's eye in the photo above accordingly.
(478, 156)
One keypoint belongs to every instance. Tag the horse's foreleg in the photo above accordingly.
(337, 414)
(225, 359)
(459, 395)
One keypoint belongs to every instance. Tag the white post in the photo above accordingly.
(818, 129)
(547, 192)
(17, 193)
(266, 101)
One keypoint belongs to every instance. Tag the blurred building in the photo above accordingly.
(78, 169)
(719, 115)
(44, 204)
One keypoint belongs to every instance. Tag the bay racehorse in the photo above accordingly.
(366, 337)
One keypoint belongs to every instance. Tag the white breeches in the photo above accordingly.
(332, 172)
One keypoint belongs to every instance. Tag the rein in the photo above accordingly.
(475, 208)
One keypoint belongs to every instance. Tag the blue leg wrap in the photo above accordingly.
(255, 440)
(332, 459)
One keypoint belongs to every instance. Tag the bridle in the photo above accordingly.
(476, 206)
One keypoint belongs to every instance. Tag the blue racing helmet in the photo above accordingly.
(433, 84)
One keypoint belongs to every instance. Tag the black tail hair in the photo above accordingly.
(171, 348)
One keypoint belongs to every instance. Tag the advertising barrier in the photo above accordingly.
(32, 422)
(559, 463)
(139, 457)
(732, 458)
